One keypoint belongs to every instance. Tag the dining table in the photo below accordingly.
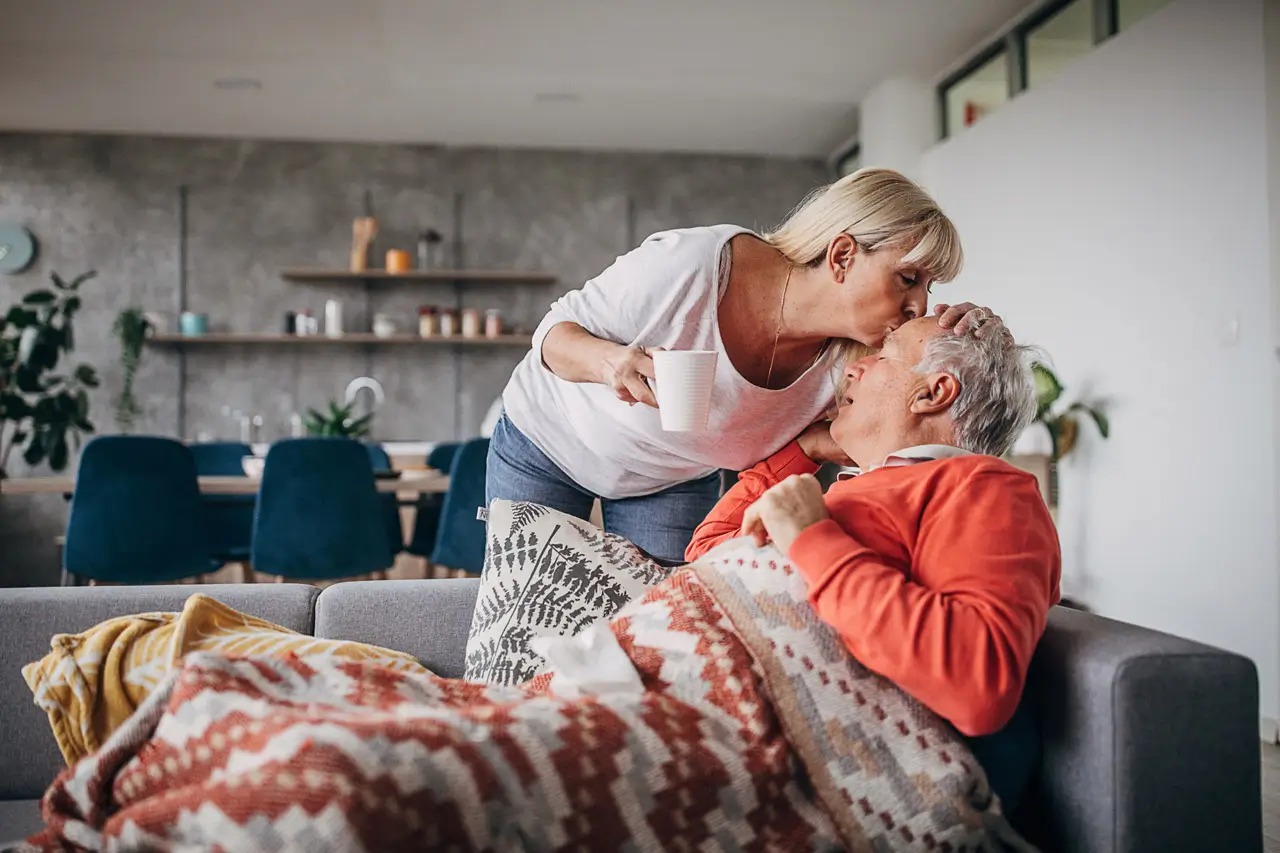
(419, 482)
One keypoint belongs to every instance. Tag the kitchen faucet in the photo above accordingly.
(365, 383)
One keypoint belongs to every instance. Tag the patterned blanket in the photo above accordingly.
(753, 730)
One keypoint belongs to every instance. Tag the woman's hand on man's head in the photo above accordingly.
(967, 317)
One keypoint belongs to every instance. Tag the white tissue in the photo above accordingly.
(591, 663)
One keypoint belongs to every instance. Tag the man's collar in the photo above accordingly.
(910, 456)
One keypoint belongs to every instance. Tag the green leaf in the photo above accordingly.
(81, 279)
(1048, 388)
(20, 317)
(57, 281)
(46, 410)
(35, 452)
(28, 380)
(1099, 419)
(87, 376)
(40, 297)
(58, 449)
(359, 427)
(13, 407)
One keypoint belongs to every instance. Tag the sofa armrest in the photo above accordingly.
(1150, 741)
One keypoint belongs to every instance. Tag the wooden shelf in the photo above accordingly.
(439, 276)
(321, 340)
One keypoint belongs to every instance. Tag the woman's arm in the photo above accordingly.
(725, 521)
(575, 355)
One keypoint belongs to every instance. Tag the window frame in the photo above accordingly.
(1013, 41)
(853, 149)
(978, 60)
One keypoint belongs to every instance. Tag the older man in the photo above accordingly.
(939, 562)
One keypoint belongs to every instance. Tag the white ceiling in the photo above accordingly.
(749, 76)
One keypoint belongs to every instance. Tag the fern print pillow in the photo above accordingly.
(546, 574)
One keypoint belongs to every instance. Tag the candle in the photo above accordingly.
(398, 260)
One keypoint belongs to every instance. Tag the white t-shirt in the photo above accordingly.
(665, 293)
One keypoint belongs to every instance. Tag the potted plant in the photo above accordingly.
(1063, 426)
(131, 328)
(43, 411)
(338, 422)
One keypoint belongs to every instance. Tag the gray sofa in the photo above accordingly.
(1150, 741)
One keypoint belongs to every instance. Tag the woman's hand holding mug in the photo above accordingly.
(627, 370)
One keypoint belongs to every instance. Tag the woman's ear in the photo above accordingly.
(935, 394)
(840, 256)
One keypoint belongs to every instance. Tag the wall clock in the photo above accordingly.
(17, 249)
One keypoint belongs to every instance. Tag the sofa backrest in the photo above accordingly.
(29, 617)
(427, 619)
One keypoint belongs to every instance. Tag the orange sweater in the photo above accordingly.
(938, 575)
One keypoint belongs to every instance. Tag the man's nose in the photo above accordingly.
(855, 370)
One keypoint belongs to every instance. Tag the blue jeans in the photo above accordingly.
(661, 524)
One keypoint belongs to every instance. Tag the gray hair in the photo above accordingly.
(997, 399)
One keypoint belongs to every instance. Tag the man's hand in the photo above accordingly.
(818, 445)
(784, 511)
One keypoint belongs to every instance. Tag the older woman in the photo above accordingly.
(852, 262)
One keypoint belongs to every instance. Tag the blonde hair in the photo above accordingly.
(878, 208)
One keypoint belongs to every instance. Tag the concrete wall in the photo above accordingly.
(110, 204)
(1118, 216)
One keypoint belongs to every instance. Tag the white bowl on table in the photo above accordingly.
(253, 466)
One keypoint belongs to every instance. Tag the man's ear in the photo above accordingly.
(935, 394)
(840, 256)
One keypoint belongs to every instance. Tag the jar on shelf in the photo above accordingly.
(493, 323)
(428, 327)
(448, 323)
(470, 323)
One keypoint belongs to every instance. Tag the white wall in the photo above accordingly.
(898, 121)
(1271, 35)
(1118, 216)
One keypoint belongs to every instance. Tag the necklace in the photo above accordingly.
(777, 333)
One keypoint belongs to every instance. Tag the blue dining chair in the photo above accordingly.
(318, 515)
(136, 514)
(228, 518)
(426, 520)
(380, 461)
(460, 540)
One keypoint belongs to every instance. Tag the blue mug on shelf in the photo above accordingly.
(192, 324)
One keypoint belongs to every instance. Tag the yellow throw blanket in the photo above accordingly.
(90, 683)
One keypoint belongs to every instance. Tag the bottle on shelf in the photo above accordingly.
(427, 326)
(333, 318)
(493, 323)
(448, 323)
(470, 323)
(306, 323)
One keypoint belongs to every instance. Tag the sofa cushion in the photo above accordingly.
(29, 617)
(546, 574)
(425, 618)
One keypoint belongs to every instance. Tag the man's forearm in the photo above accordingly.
(725, 520)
